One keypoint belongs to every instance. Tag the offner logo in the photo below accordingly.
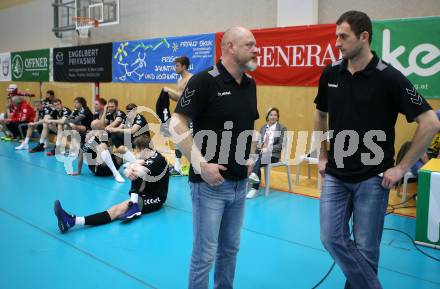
(17, 66)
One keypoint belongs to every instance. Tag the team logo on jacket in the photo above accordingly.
(414, 96)
(186, 97)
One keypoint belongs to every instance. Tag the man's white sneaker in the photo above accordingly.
(254, 179)
(23, 146)
(252, 194)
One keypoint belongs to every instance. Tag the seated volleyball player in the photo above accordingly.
(149, 188)
(79, 119)
(133, 125)
(114, 117)
(47, 112)
(100, 161)
(56, 121)
(52, 118)
(100, 109)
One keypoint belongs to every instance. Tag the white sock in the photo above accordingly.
(80, 221)
(59, 138)
(26, 141)
(177, 165)
(129, 156)
(134, 198)
(107, 158)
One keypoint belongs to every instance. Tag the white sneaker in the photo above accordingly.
(254, 179)
(23, 146)
(119, 178)
(252, 194)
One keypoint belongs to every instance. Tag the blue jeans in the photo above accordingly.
(367, 202)
(217, 220)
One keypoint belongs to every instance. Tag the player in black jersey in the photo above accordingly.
(79, 120)
(50, 113)
(134, 125)
(114, 117)
(100, 160)
(56, 121)
(48, 110)
(100, 109)
(48, 101)
(149, 188)
(81, 117)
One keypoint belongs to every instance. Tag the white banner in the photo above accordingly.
(434, 209)
(5, 65)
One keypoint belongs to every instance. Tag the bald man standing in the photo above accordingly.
(222, 104)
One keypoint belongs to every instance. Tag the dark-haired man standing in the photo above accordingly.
(362, 97)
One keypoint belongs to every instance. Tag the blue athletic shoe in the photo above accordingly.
(65, 220)
(132, 212)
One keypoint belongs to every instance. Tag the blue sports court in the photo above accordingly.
(280, 245)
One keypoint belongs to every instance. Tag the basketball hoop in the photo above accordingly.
(83, 24)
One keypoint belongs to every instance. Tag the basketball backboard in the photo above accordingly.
(105, 11)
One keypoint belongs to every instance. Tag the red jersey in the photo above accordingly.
(23, 112)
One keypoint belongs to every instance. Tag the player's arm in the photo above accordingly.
(176, 93)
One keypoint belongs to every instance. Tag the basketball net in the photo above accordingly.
(83, 25)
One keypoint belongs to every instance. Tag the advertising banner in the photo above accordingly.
(89, 63)
(31, 65)
(152, 60)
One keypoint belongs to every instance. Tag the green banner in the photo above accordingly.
(30, 65)
(412, 46)
(428, 209)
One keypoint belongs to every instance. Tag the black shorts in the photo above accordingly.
(151, 202)
(117, 139)
(102, 170)
(39, 128)
(82, 135)
(109, 139)
(54, 129)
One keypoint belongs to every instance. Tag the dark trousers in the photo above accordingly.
(257, 169)
(178, 153)
(15, 129)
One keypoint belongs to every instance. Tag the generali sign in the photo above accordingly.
(292, 56)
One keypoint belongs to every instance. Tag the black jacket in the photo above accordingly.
(163, 106)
